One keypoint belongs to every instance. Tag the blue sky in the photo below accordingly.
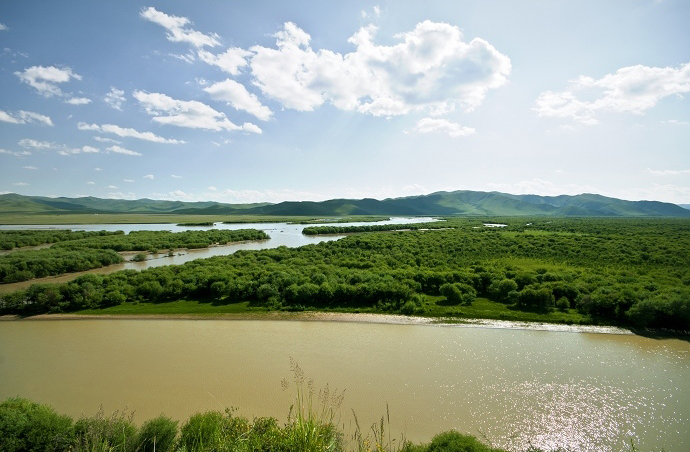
(312, 100)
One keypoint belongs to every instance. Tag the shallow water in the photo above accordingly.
(583, 391)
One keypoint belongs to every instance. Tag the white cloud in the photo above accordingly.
(430, 125)
(668, 172)
(45, 79)
(106, 140)
(192, 114)
(30, 167)
(113, 187)
(632, 89)
(20, 184)
(236, 95)
(676, 122)
(149, 176)
(78, 101)
(175, 176)
(177, 30)
(29, 143)
(25, 117)
(115, 98)
(212, 188)
(15, 153)
(129, 180)
(91, 183)
(666, 193)
(97, 169)
(377, 10)
(127, 132)
(229, 61)
(81, 150)
(120, 150)
(3, 27)
(431, 70)
(188, 58)
(121, 195)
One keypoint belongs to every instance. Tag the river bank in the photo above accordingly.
(388, 319)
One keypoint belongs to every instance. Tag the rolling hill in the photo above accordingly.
(462, 202)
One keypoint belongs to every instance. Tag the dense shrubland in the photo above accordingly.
(84, 251)
(18, 238)
(629, 272)
(317, 230)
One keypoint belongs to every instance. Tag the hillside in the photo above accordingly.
(462, 202)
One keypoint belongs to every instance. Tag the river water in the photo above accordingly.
(582, 391)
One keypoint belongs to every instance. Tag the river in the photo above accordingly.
(582, 391)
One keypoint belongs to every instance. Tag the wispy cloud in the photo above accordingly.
(237, 96)
(15, 153)
(126, 132)
(120, 150)
(178, 28)
(115, 98)
(192, 114)
(431, 125)
(78, 101)
(149, 176)
(24, 117)
(667, 172)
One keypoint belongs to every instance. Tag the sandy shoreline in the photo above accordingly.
(390, 319)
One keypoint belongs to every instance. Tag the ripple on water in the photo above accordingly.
(583, 417)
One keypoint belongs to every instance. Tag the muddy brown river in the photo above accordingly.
(582, 391)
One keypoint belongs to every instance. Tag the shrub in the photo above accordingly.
(26, 426)
(453, 441)
(157, 435)
(203, 432)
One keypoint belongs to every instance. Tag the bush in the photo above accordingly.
(453, 441)
(26, 426)
(157, 435)
(562, 304)
(203, 432)
(116, 433)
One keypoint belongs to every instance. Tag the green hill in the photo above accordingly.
(461, 202)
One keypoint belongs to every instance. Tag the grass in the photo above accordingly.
(482, 308)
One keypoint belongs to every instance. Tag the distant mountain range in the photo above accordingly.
(463, 202)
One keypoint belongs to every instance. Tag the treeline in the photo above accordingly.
(30, 264)
(316, 230)
(153, 241)
(96, 250)
(625, 279)
(29, 426)
(18, 238)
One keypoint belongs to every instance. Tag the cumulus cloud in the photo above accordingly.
(24, 117)
(432, 69)
(149, 176)
(178, 30)
(431, 125)
(91, 183)
(632, 89)
(115, 98)
(668, 172)
(126, 132)
(120, 150)
(78, 101)
(45, 79)
(192, 114)
(128, 180)
(30, 167)
(175, 176)
(229, 61)
(3, 27)
(237, 96)
(113, 187)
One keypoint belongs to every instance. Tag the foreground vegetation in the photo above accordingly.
(622, 272)
(74, 252)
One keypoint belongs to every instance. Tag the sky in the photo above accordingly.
(241, 102)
